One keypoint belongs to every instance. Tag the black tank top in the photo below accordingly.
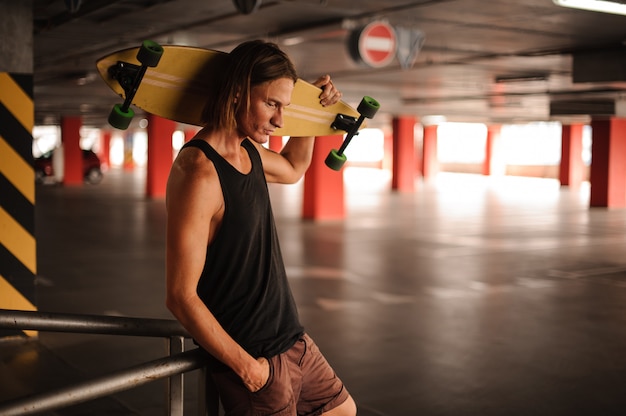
(244, 283)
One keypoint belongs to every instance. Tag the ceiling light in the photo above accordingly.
(603, 6)
(292, 41)
(432, 120)
(86, 78)
(520, 78)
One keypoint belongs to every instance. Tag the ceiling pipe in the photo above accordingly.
(247, 6)
(75, 10)
(73, 5)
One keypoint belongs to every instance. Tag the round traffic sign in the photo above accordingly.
(375, 45)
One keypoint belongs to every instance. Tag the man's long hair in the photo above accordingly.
(249, 64)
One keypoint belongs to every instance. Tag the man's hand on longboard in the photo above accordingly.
(330, 94)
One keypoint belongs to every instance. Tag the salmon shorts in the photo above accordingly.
(301, 383)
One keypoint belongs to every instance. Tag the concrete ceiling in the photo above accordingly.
(497, 61)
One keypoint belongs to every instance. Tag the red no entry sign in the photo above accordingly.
(376, 44)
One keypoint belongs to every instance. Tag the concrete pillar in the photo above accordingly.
(492, 164)
(323, 187)
(105, 149)
(572, 167)
(190, 133)
(18, 257)
(608, 163)
(129, 142)
(160, 155)
(430, 163)
(404, 155)
(72, 153)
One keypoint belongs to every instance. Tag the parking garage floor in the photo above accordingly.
(471, 296)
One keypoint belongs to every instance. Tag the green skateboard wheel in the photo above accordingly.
(150, 53)
(119, 118)
(368, 107)
(334, 160)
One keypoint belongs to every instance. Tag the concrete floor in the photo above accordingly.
(471, 296)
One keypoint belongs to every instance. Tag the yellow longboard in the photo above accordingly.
(184, 79)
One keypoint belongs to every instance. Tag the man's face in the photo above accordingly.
(267, 102)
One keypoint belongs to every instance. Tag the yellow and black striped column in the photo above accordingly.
(18, 260)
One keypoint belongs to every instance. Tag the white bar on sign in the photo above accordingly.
(378, 44)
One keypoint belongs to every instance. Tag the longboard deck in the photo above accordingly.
(179, 86)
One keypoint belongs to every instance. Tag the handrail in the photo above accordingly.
(91, 324)
(173, 366)
(106, 385)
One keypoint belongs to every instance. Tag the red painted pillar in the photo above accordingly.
(492, 163)
(430, 164)
(72, 153)
(572, 168)
(404, 157)
(323, 187)
(105, 148)
(608, 163)
(160, 155)
(276, 143)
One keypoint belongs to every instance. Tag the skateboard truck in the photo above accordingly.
(367, 109)
(129, 77)
(124, 73)
(343, 122)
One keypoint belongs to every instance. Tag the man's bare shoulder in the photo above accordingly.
(192, 175)
(191, 161)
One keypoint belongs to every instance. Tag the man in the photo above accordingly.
(226, 280)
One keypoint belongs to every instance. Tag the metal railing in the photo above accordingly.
(172, 366)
